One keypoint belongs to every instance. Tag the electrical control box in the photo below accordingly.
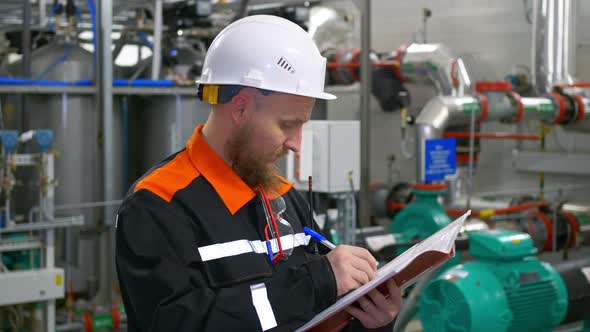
(330, 153)
(31, 286)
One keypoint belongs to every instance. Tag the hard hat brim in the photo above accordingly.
(322, 95)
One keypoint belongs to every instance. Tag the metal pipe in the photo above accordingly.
(513, 192)
(436, 115)
(492, 135)
(365, 114)
(26, 60)
(464, 79)
(9, 177)
(541, 109)
(44, 225)
(554, 239)
(35, 209)
(157, 51)
(42, 12)
(48, 165)
(553, 43)
(26, 41)
(446, 71)
(88, 205)
(73, 326)
(471, 156)
(442, 111)
(574, 275)
(105, 96)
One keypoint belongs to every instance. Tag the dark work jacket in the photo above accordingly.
(193, 200)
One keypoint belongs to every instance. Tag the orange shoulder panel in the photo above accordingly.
(166, 180)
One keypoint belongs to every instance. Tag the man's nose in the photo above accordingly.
(293, 143)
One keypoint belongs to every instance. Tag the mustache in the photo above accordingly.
(280, 153)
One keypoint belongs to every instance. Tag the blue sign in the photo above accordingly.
(439, 158)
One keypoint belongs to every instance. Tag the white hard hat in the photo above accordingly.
(266, 52)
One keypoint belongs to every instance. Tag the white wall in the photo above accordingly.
(493, 36)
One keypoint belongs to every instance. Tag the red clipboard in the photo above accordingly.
(404, 270)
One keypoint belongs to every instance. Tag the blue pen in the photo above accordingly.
(319, 237)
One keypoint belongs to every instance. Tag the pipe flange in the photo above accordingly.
(561, 107)
(574, 227)
(463, 158)
(548, 227)
(493, 86)
(336, 71)
(116, 318)
(429, 187)
(483, 102)
(581, 109)
(353, 60)
(399, 55)
(87, 318)
(519, 105)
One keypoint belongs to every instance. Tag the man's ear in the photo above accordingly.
(241, 104)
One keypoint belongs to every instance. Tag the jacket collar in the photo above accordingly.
(234, 192)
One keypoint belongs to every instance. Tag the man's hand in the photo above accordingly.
(352, 267)
(376, 310)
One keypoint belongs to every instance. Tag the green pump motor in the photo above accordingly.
(506, 288)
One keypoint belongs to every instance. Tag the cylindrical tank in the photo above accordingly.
(76, 123)
(169, 121)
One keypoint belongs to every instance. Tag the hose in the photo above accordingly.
(144, 39)
(51, 15)
(56, 62)
(410, 306)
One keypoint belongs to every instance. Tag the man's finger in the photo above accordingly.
(359, 276)
(365, 255)
(367, 305)
(395, 293)
(363, 265)
(380, 301)
(359, 314)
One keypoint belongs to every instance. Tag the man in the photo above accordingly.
(195, 246)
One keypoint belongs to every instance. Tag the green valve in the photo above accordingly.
(102, 322)
(543, 108)
(432, 66)
(408, 68)
(546, 108)
(583, 220)
(470, 108)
